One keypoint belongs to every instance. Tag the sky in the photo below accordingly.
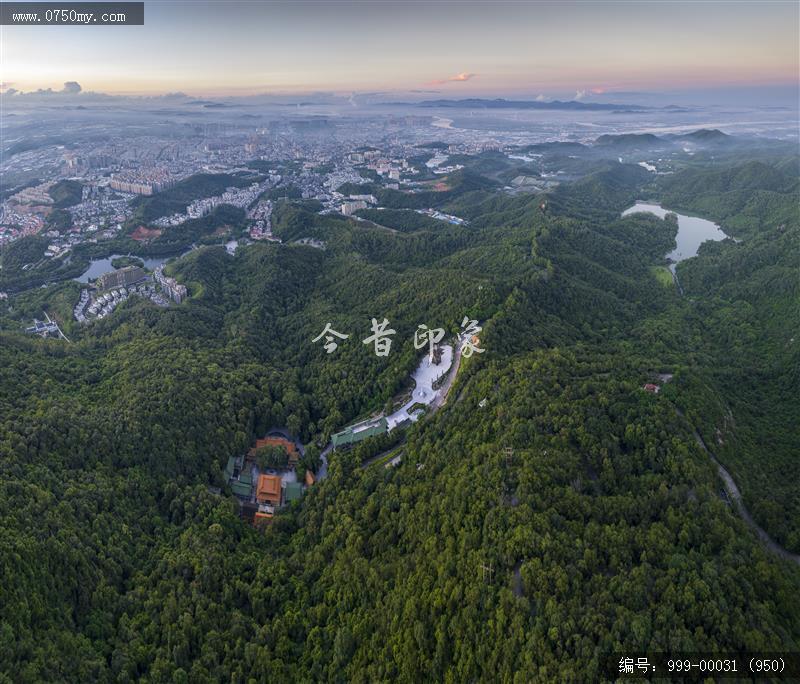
(453, 48)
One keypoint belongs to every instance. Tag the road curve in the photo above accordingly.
(736, 496)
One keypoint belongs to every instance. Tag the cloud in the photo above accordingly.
(458, 78)
(588, 92)
(70, 93)
(70, 88)
(542, 98)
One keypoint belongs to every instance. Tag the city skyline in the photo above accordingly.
(452, 49)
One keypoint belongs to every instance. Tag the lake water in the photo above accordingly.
(692, 231)
(99, 266)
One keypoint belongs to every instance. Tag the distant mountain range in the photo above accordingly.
(500, 103)
(629, 140)
(708, 136)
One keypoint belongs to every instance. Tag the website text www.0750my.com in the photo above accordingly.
(69, 16)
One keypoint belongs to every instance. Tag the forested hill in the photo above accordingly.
(606, 529)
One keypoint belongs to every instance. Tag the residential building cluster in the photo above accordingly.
(237, 197)
(79, 310)
(315, 154)
(437, 164)
(95, 307)
(37, 195)
(261, 216)
(142, 181)
(100, 206)
(19, 221)
(172, 287)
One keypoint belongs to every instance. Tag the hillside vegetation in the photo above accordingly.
(605, 531)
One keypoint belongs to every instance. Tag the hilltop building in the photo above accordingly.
(269, 490)
(43, 328)
(240, 478)
(277, 441)
(359, 432)
(292, 492)
(261, 497)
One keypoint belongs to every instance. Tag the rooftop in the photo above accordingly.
(269, 486)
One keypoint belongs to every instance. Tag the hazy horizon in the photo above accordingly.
(453, 49)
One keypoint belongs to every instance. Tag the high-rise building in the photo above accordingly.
(350, 208)
(121, 277)
(142, 182)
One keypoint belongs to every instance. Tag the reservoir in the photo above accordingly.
(692, 231)
(99, 266)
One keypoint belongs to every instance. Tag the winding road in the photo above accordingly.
(736, 496)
